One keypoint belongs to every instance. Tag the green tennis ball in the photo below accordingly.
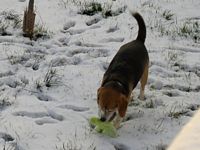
(105, 128)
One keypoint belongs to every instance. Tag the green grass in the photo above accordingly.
(41, 32)
(176, 114)
(93, 7)
(168, 15)
(149, 104)
(9, 20)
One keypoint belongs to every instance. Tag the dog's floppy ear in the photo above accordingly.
(122, 105)
(98, 92)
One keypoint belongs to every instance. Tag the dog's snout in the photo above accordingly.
(103, 119)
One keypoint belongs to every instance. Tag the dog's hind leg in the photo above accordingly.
(143, 81)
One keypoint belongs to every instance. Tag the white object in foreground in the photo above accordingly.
(189, 137)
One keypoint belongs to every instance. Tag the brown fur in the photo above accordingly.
(111, 99)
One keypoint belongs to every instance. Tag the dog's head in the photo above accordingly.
(111, 103)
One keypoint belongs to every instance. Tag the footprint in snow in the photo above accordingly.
(12, 83)
(68, 25)
(77, 51)
(163, 72)
(93, 20)
(74, 108)
(183, 88)
(188, 68)
(95, 53)
(76, 31)
(132, 116)
(64, 40)
(171, 93)
(45, 121)
(98, 53)
(43, 97)
(193, 107)
(6, 137)
(79, 43)
(7, 142)
(185, 49)
(112, 29)
(159, 85)
(6, 74)
(107, 40)
(120, 146)
(49, 114)
(94, 27)
(4, 104)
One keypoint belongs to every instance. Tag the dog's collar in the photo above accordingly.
(119, 84)
(115, 83)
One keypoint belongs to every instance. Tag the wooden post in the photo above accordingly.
(29, 20)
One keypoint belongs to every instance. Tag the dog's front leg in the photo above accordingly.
(117, 121)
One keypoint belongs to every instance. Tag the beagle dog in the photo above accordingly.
(128, 67)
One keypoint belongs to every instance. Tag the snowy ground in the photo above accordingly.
(48, 86)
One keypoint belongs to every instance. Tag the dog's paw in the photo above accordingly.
(142, 97)
(117, 124)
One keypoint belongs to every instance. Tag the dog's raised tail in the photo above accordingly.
(142, 27)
